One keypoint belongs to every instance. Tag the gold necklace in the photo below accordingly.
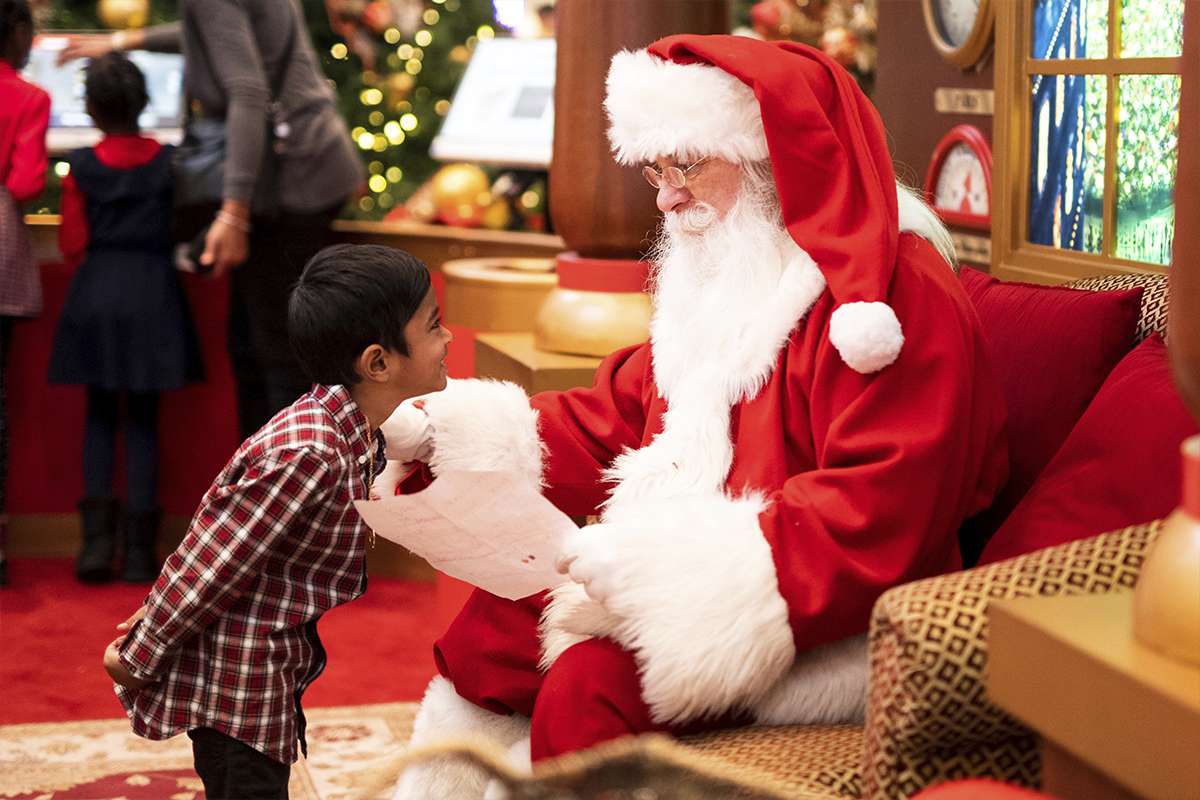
(367, 481)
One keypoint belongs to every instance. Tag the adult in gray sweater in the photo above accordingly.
(270, 221)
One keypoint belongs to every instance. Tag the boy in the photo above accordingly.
(228, 641)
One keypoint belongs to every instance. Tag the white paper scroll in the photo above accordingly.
(490, 529)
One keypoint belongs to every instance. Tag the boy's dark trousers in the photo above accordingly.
(232, 770)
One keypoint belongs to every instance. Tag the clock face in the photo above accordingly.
(962, 186)
(956, 18)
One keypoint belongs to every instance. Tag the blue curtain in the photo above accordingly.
(1058, 32)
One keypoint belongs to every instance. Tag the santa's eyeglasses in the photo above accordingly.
(674, 177)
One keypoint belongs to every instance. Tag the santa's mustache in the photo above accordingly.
(695, 218)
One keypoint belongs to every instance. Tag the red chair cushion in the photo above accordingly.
(1119, 466)
(1052, 348)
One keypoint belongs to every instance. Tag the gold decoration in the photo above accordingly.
(457, 189)
(497, 216)
(591, 323)
(119, 14)
(496, 294)
(1166, 600)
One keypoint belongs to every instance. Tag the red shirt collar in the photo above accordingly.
(123, 151)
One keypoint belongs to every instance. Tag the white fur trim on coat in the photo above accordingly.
(826, 686)
(444, 715)
(569, 618)
(866, 335)
(697, 602)
(660, 108)
(484, 425)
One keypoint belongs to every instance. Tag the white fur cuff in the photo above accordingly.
(482, 426)
(866, 335)
(698, 603)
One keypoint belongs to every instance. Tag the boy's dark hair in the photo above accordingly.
(348, 298)
(116, 92)
(15, 17)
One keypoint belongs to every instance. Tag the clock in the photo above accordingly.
(961, 30)
(959, 181)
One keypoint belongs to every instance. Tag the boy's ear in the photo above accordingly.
(373, 364)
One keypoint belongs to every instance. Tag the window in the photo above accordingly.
(1087, 125)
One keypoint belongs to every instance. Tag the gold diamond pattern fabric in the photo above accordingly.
(812, 760)
(928, 716)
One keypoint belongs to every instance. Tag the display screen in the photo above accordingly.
(503, 110)
(64, 84)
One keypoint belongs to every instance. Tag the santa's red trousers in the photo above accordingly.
(590, 695)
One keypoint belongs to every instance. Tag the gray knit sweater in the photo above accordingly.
(233, 50)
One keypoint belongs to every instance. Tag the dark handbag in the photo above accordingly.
(198, 162)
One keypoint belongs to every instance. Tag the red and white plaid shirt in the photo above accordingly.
(229, 635)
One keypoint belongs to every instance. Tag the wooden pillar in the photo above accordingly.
(1184, 318)
(600, 209)
(605, 213)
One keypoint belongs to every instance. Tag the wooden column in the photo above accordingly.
(600, 209)
(1184, 318)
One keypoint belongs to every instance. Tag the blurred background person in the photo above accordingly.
(125, 331)
(283, 183)
(24, 115)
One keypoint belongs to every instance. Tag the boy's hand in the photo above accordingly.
(408, 433)
(112, 662)
(116, 670)
(128, 624)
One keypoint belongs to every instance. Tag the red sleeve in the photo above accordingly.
(28, 175)
(585, 429)
(73, 231)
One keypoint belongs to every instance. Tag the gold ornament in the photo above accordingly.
(457, 190)
(119, 14)
(497, 216)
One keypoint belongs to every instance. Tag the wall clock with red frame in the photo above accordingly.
(959, 181)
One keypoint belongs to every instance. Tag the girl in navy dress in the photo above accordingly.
(125, 331)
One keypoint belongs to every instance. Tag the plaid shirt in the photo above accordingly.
(229, 637)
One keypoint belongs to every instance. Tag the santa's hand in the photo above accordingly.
(589, 557)
(408, 433)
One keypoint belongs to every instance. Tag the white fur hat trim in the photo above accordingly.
(867, 335)
(659, 108)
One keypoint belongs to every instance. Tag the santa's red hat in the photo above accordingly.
(742, 100)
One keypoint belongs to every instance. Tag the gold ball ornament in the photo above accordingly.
(457, 191)
(497, 216)
(119, 14)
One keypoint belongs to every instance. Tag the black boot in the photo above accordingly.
(141, 533)
(99, 517)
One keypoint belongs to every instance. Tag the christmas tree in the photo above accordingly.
(396, 64)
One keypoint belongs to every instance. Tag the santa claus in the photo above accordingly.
(811, 421)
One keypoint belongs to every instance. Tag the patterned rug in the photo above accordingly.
(352, 752)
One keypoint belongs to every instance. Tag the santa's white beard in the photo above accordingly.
(712, 276)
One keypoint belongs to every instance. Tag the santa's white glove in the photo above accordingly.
(591, 557)
(408, 433)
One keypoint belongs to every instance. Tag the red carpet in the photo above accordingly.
(53, 632)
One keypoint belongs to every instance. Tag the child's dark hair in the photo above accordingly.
(116, 92)
(348, 298)
(15, 17)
